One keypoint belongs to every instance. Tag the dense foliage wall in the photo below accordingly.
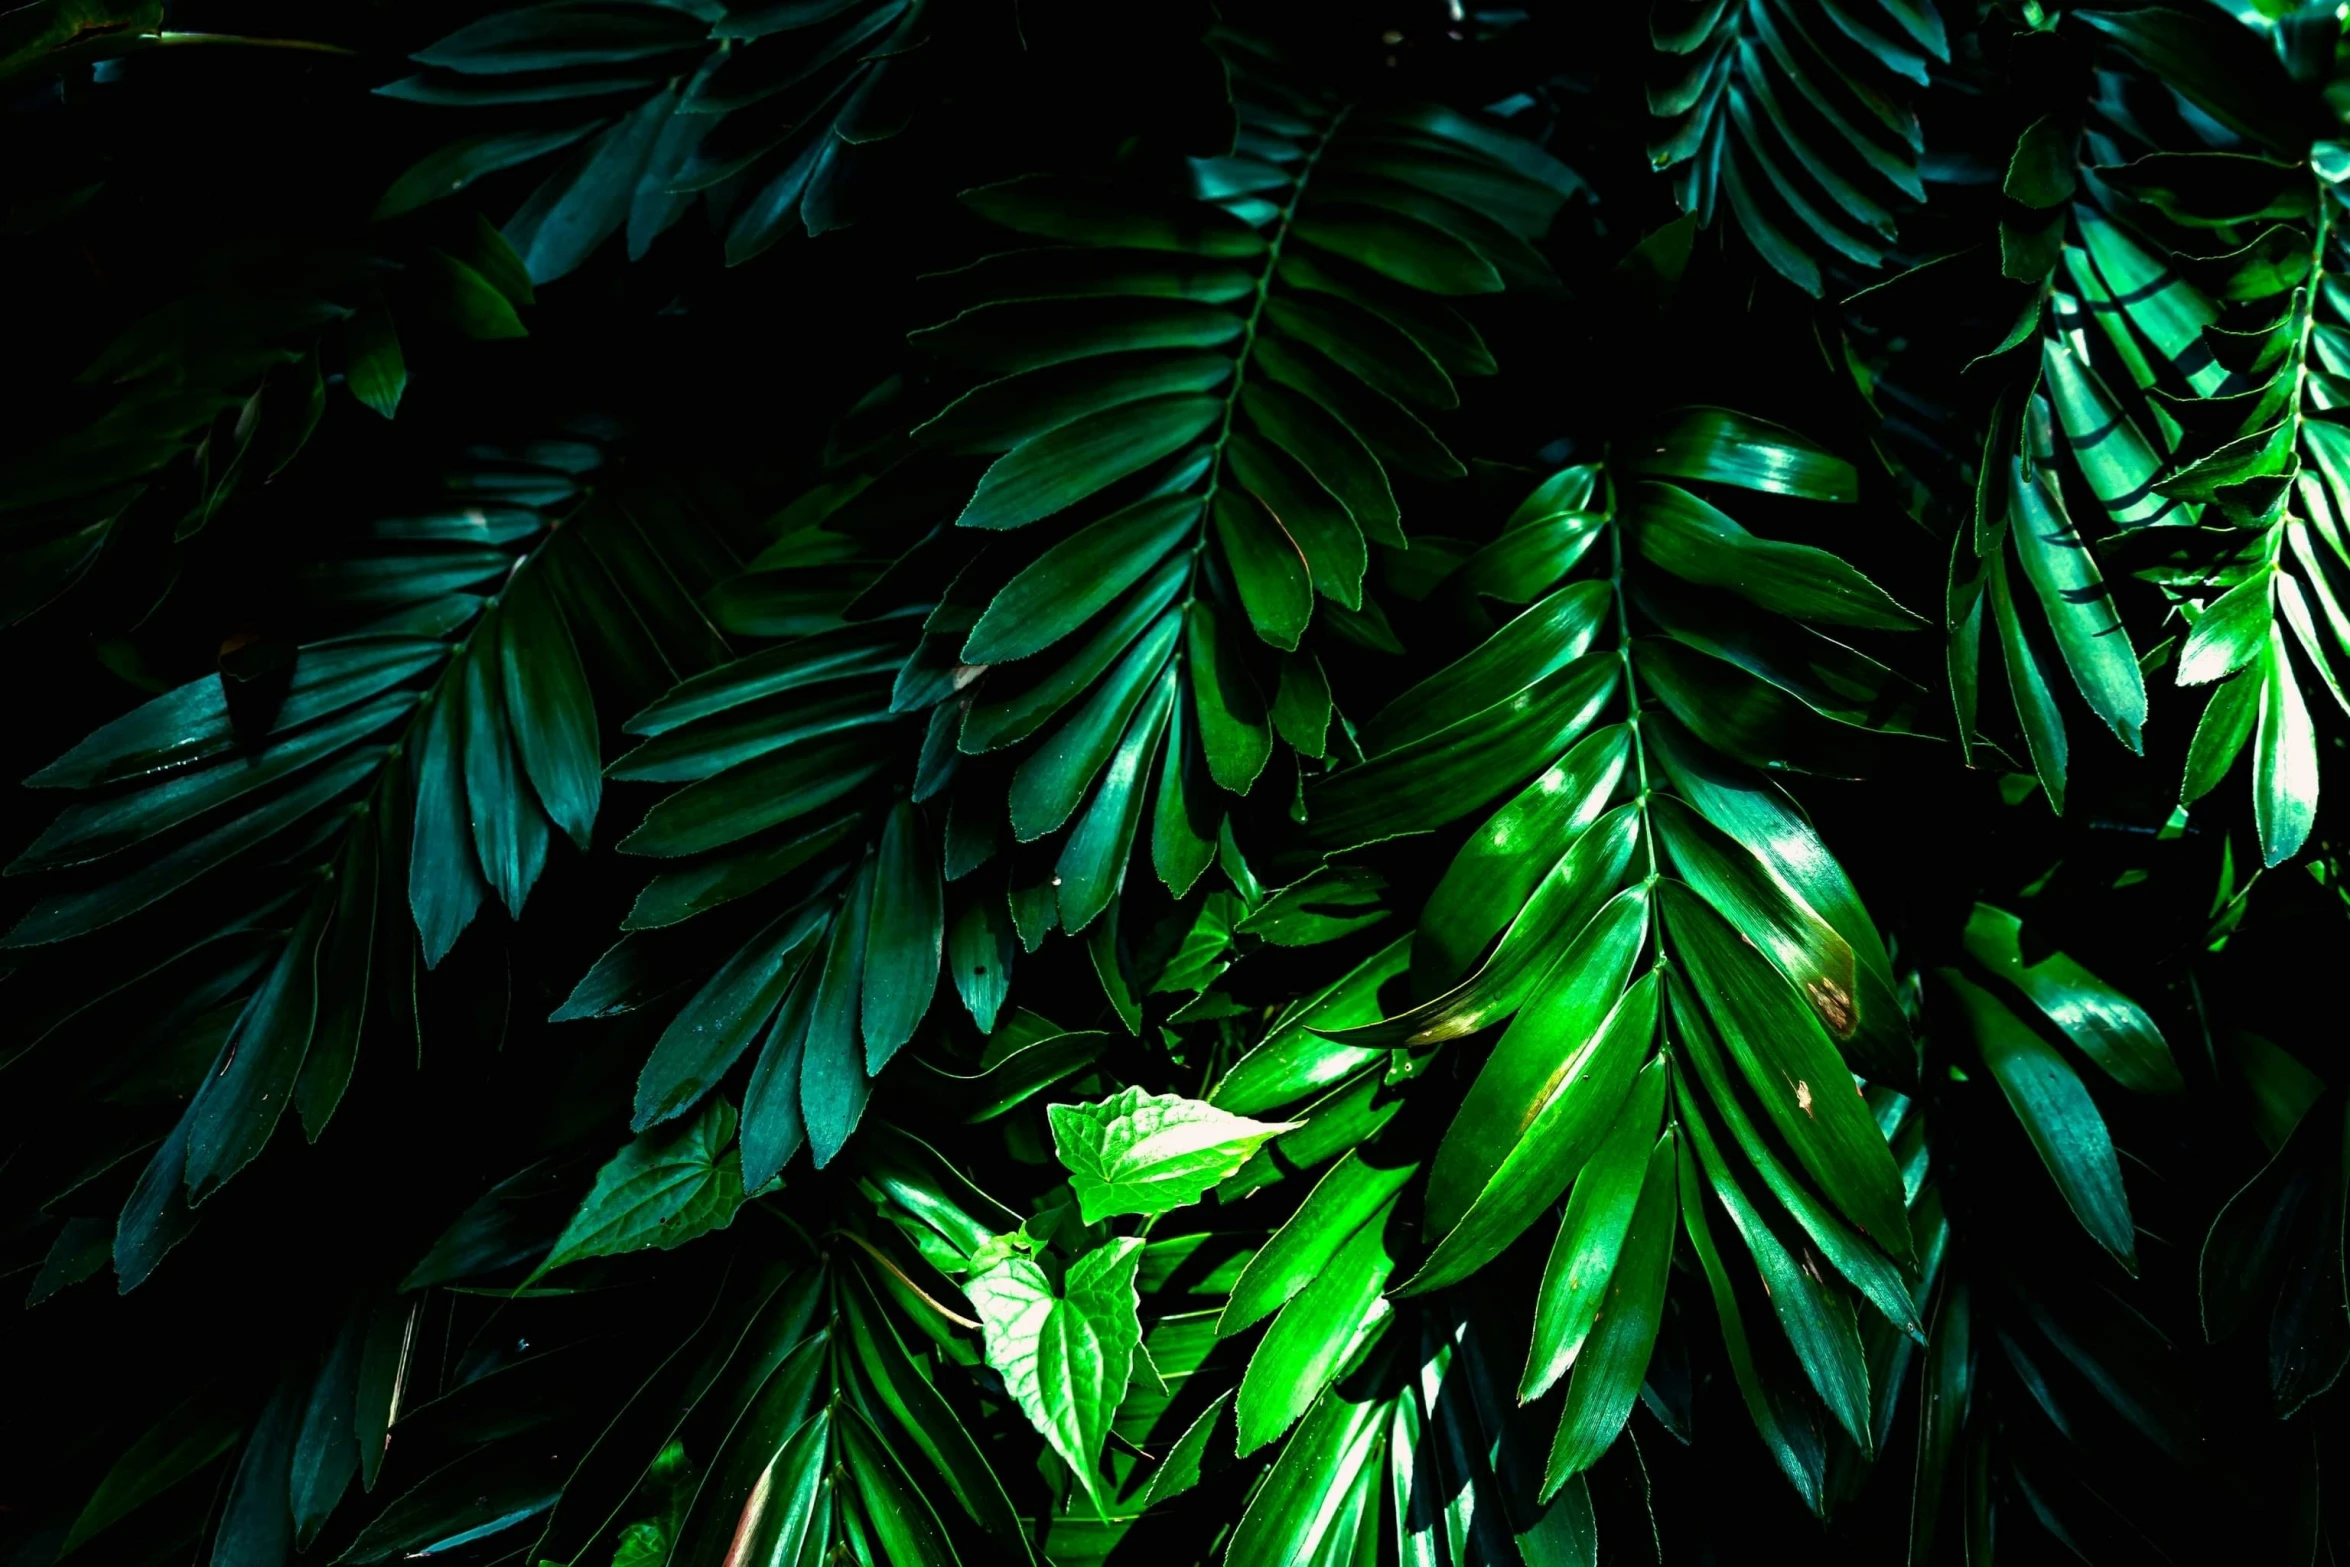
(938, 780)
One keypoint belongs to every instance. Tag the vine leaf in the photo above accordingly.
(1066, 1355)
(1143, 1153)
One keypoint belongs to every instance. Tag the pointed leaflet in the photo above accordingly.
(1311, 1340)
(995, 722)
(710, 1031)
(2081, 611)
(549, 706)
(2284, 759)
(1051, 781)
(1422, 785)
(2110, 1028)
(925, 1419)
(903, 940)
(356, 938)
(1065, 1357)
(2231, 632)
(772, 1124)
(1144, 1153)
(1614, 1359)
(1492, 876)
(1591, 1090)
(833, 1082)
(1308, 1509)
(233, 1114)
(255, 1524)
(1050, 472)
(1722, 446)
(1851, 1255)
(1814, 1312)
(2057, 1114)
(1792, 1066)
(1342, 1202)
(1591, 1235)
(661, 1190)
(1234, 736)
(445, 885)
(1068, 584)
(1092, 866)
(1268, 569)
(191, 1435)
(326, 1453)
(1555, 1038)
(1675, 530)
(980, 946)
(1546, 637)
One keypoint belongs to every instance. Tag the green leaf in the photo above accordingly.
(255, 1524)
(192, 1435)
(1546, 638)
(550, 707)
(2220, 733)
(509, 830)
(565, 33)
(1723, 447)
(1051, 472)
(2027, 683)
(1144, 1153)
(469, 300)
(1792, 1068)
(660, 1191)
(448, 170)
(1614, 1359)
(1815, 1314)
(1554, 1079)
(1181, 1469)
(326, 1452)
(373, 366)
(1092, 866)
(1050, 783)
(1349, 1196)
(1676, 531)
(1068, 584)
(242, 1099)
(1235, 737)
(904, 940)
(2081, 611)
(2110, 1028)
(833, 1081)
(925, 1419)
(1065, 1357)
(980, 947)
(713, 1029)
(1315, 1336)
(2230, 633)
(1311, 1505)
(1294, 1059)
(1591, 1234)
(1420, 786)
(1492, 876)
(1269, 570)
(93, 829)
(2057, 1114)
(2284, 759)
(752, 796)
(2041, 173)
(1784, 1424)
(1089, 212)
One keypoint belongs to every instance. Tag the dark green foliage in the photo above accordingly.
(910, 782)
